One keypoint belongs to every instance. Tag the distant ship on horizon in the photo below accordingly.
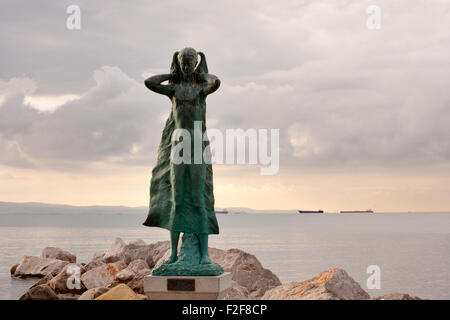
(310, 211)
(221, 211)
(357, 211)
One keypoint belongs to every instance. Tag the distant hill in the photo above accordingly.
(41, 208)
(46, 208)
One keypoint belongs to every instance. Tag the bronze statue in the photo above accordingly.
(181, 195)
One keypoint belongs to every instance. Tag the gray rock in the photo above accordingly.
(44, 280)
(98, 255)
(246, 270)
(30, 266)
(93, 293)
(396, 296)
(156, 252)
(135, 250)
(115, 251)
(57, 253)
(133, 275)
(94, 264)
(344, 287)
(13, 268)
(102, 276)
(41, 292)
(68, 296)
(59, 283)
(333, 284)
(237, 292)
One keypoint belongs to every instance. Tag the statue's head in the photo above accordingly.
(188, 58)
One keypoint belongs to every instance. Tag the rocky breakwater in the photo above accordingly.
(126, 265)
(118, 274)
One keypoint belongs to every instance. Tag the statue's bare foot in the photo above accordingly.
(171, 259)
(205, 260)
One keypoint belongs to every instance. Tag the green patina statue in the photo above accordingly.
(181, 195)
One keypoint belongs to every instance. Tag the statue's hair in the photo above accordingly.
(175, 68)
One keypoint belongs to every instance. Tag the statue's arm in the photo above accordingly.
(211, 83)
(154, 84)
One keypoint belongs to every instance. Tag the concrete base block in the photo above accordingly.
(187, 288)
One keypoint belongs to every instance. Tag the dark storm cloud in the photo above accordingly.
(342, 95)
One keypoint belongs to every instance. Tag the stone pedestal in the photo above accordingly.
(187, 287)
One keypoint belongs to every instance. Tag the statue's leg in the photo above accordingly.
(174, 237)
(204, 255)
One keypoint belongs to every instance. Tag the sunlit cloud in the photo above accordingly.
(49, 103)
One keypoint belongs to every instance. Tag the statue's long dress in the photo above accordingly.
(187, 214)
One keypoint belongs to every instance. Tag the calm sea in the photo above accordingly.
(411, 249)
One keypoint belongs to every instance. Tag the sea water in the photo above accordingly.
(412, 250)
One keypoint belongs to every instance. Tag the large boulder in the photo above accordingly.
(31, 266)
(40, 292)
(68, 296)
(333, 284)
(98, 255)
(121, 292)
(57, 253)
(93, 293)
(94, 264)
(247, 272)
(396, 296)
(134, 250)
(13, 269)
(68, 280)
(44, 280)
(237, 292)
(156, 252)
(134, 274)
(115, 251)
(102, 276)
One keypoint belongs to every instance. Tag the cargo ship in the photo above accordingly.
(310, 211)
(221, 211)
(357, 211)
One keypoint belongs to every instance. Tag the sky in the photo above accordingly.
(363, 114)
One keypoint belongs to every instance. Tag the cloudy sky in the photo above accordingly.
(364, 115)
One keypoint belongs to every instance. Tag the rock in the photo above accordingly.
(134, 250)
(156, 251)
(121, 292)
(115, 251)
(30, 266)
(102, 276)
(68, 296)
(70, 274)
(237, 292)
(98, 255)
(246, 270)
(13, 269)
(44, 280)
(93, 293)
(133, 275)
(396, 296)
(94, 264)
(41, 292)
(333, 284)
(136, 243)
(57, 253)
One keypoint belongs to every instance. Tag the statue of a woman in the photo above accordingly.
(181, 195)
